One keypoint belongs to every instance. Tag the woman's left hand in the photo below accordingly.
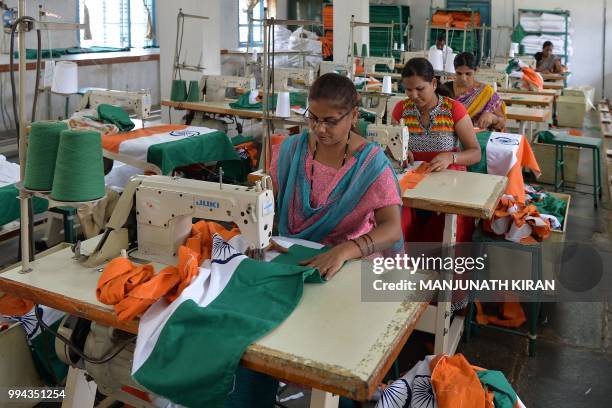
(441, 161)
(328, 263)
(487, 120)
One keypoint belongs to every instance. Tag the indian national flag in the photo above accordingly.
(505, 154)
(188, 350)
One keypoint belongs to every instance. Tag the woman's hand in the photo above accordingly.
(487, 120)
(408, 162)
(330, 262)
(441, 161)
(274, 246)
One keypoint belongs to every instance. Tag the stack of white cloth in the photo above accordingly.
(548, 22)
(9, 172)
(533, 43)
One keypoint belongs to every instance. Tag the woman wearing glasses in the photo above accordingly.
(334, 187)
(438, 126)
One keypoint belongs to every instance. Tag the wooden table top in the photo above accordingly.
(457, 192)
(351, 362)
(521, 113)
(525, 99)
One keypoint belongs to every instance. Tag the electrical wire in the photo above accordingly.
(12, 69)
(105, 359)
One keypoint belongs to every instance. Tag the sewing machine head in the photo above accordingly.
(165, 207)
(369, 63)
(326, 67)
(391, 138)
(137, 102)
(215, 86)
(302, 76)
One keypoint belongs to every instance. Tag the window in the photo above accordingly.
(243, 23)
(117, 23)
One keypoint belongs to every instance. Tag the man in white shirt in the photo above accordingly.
(441, 45)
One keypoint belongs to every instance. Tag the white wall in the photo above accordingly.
(201, 39)
(343, 10)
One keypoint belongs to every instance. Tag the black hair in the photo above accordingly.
(441, 38)
(422, 68)
(547, 44)
(336, 89)
(466, 59)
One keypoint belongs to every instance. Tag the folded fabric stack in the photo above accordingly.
(533, 43)
(544, 22)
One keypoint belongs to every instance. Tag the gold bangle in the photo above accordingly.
(358, 246)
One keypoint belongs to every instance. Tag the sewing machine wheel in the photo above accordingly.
(76, 330)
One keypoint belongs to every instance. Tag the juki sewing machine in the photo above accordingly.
(369, 63)
(215, 86)
(138, 102)
(391, 138)
(283, 76)
(326, 67)
(164, 209)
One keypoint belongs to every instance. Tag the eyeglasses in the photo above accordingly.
(313, 121)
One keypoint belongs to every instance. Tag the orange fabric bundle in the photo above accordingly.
(120, 277)
(455, 383)
(328, 17)
(138, 300)
(14, 306)
(251, 151)
(519, 216)
(531, 77)
(414, 177)
(441, 18)
(512, 315)
(133, 288)
(526, 159)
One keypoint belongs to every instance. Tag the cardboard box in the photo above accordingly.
(587, 92)
(571, 110)
(545, 155)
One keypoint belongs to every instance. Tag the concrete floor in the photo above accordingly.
(573, 364)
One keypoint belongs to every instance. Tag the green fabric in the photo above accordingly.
(240, 139)
(552, 206)
(235, 171)
(362, 126)
(518, 34)
(367, 116)
(209, 147)
(58, 52)
(504, 395)
(198, 370)
(48, 365)
(481, 166)
(115, 115)
(295, 99)
(9, 204)
(545, 136)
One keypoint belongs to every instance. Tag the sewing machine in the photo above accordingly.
(369, 63)
(138, 102)
(215, 86)
(326, 67)
(165, 207)
(296, 75)
(391, 138)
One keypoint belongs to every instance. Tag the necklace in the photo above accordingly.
(314, 156)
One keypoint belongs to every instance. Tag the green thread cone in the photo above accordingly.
(79, 171)
(179, 90)
(364, 50)
(355, 53)
(42, 150)
(194, 92)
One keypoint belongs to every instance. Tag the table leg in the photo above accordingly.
(522, 127)
(80, 393)
(443, 312)
(322, 399)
